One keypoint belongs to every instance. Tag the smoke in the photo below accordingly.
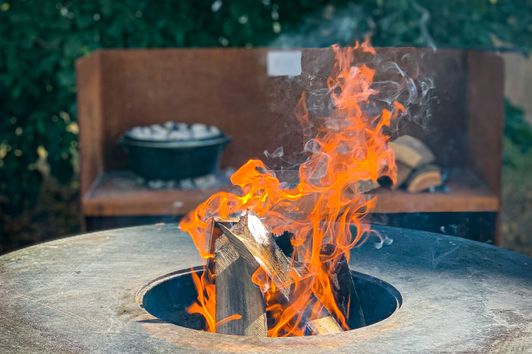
(423, 25)
(327, 27)
(398, 78)
(381, 240)
(334, 24)
(403, 80)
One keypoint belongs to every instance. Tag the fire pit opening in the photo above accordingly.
(168, 298)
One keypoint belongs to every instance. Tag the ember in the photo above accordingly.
(308, 291)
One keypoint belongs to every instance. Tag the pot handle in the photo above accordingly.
(228, 139)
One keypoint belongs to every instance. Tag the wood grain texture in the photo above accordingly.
(343, 287)
(411, 151)
(278, 266)
(266, 255)
(324, 325)
(236, 294)
(424, 178)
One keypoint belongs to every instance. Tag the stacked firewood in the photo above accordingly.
(416, 168)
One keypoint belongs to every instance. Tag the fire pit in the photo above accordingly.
(278, 255)
(87, 293)
(168, 297)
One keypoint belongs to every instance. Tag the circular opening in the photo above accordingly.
(168, 297)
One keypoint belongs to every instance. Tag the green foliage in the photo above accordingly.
(517, 134)
(453, 23)
(40, 40)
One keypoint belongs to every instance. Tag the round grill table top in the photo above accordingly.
(80, 294)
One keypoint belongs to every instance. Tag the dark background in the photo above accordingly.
(40, 41)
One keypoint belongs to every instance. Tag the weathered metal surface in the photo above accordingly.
(79, 294)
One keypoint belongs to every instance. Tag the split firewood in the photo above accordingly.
(424, 178)
(256, 245)
(324, 324)
(237, 298)
(403, 172)
(411, 151)
(343, 286)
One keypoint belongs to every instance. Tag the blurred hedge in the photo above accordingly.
(41, 39)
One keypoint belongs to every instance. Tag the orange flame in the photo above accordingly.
(349, 146)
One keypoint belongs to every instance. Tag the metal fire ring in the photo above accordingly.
(80, 294)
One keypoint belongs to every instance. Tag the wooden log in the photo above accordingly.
(256, 245)
(343, 286)
(424, 178)
(411, 151)
(324, 325)
(240, 307)
(403, 172)
(322, 322)
(259, 249)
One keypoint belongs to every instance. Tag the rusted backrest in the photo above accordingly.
(237, 90)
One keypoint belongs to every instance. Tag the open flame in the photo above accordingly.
(349, 146)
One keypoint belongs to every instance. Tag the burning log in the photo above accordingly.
(240, 307)
(324, 325)
(256, 245)
(345, 293)
(258, 249)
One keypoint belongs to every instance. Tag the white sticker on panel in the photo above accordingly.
(284, 63)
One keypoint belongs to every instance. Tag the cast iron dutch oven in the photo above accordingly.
(174, 159)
